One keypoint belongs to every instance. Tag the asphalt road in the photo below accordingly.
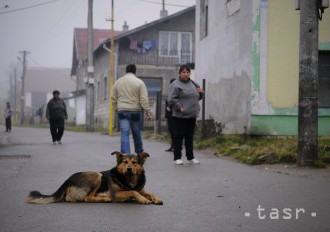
(216, 195)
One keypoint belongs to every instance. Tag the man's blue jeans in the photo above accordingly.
(130, 120)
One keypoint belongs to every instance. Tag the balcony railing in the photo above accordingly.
(156, 57)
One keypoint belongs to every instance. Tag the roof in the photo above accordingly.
(81, 40)
(153, 23)
(48, 79)
(80, 43)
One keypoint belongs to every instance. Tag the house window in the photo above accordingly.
(204, 21)
(98, 91)
(105, 88)
(233, 6)
(324, 79)
(176, 44)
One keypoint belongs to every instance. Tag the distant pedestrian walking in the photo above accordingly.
(8, 114)
(130, 100)
(170, 122)
(183, 97)
(56, 114)
(40, 113)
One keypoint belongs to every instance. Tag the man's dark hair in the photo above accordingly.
(131, 68)
(56, 92)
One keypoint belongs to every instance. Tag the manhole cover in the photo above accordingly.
(15, 156)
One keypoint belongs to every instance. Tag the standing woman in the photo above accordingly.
(183, 97)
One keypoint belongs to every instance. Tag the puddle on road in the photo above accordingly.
(15, 156)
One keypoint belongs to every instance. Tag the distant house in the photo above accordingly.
(157, 49)
(41, 82)
(248, 51)
(79, 66)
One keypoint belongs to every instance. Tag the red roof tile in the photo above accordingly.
(80, 38)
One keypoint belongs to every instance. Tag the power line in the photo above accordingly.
(28, 7)
(58, 25)
(162, 3)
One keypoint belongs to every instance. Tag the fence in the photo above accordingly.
(158, 123)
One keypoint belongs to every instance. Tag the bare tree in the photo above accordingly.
(14, 74)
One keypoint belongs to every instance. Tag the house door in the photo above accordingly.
(153, 84)
(324, 79)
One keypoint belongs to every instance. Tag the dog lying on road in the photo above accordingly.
(123, 183)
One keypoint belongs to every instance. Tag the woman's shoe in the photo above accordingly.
(170, 149)
(178, 162)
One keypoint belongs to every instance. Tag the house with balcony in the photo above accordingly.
(157, 49)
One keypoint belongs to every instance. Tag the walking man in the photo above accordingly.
(56, 114)
(130, 100)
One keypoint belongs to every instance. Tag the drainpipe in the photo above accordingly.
(112, 79)
(109, 50)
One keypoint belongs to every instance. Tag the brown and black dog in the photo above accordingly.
(123, 183)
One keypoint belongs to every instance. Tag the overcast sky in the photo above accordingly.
(45, 27)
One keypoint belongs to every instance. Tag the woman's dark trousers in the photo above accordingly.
(171, 130)
(56, 128)
(184, 129)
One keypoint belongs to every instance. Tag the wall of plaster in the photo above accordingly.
(283, 54)
(283, 51)
(223, 58)
(324, 26)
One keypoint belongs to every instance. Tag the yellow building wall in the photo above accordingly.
(283, 51)
(324, 26)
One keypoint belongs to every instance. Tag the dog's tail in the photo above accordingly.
(59, 196)
(37, 198)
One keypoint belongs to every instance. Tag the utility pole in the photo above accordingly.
(13, 88)
(22, 99)
(308, 84)
(90, 72)
(111, 72)
(15, 94)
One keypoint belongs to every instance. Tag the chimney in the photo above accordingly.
(163, 12)
(125, 27)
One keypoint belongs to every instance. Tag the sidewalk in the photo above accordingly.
(216, 195)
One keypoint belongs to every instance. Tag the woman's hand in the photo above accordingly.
(199, 90)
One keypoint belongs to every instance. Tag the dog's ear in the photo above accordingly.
(142, 157)
(119, 156)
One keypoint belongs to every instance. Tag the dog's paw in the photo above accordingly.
(145, 202)
(157, 201)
